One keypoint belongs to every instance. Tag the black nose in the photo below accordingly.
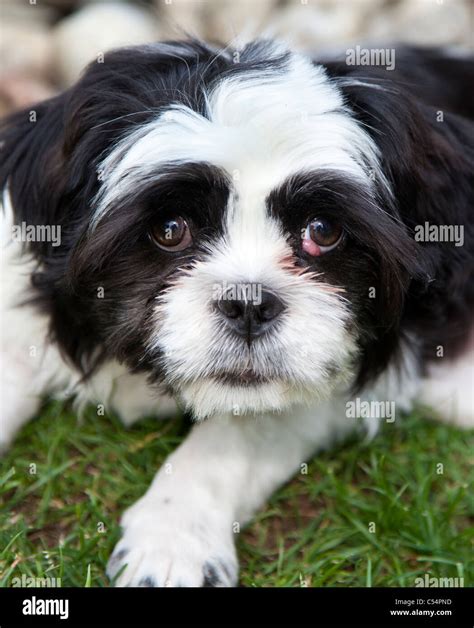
(251, 318)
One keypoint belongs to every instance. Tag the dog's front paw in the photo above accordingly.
(165, 545)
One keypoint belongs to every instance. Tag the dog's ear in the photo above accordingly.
(32, 160)
(50, 153)
(421, 116)
(48, 164)
(427, 154)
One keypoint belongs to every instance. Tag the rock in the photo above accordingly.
(228, 21)
(180, 19)
(96, 28)
(320, 24)
(18, 91)
(25, 47)
(424, 23)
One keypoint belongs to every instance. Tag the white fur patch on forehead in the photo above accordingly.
(264, 124)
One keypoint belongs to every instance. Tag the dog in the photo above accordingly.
(257, 236)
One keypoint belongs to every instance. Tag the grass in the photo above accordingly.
(378, 514)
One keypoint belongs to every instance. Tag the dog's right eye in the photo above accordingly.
(171, 233)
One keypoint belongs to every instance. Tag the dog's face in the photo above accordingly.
(228, 228)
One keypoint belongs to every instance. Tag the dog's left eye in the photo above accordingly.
(171, 233)
(320, 236)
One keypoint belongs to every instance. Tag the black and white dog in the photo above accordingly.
(254, 235)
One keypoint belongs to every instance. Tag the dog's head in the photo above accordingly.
(228, 224)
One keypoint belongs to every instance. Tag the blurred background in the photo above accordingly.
(44, 44)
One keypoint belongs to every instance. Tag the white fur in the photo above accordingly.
(210, 487)
(310, 339)
(449, 389)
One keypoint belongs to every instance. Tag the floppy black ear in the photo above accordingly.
(34, 169)
(421, 116)
(31, 160)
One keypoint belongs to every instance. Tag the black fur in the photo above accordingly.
(430, 164)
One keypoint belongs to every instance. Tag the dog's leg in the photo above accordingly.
(182, 531)
(22, 334)
(30, 368)
(18, 401)
(449, 389)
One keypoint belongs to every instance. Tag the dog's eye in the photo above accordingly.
(171, 233)
(321, 235)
